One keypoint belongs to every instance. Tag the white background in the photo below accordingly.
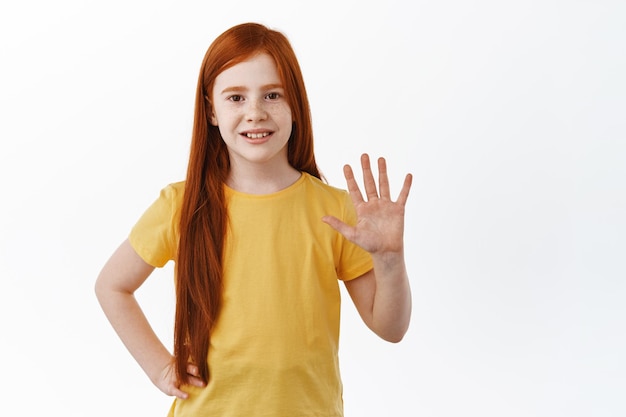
(510, 115)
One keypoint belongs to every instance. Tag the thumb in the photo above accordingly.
(338, 225)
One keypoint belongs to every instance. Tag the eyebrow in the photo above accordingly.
(239, 89)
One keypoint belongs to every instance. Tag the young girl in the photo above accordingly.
(259, 243)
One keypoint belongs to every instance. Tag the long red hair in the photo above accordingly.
(204, 214)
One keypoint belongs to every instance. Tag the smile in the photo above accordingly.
(257, 135)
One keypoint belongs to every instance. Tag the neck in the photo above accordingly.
(261, 179)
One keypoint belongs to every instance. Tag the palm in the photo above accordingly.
(380, 221)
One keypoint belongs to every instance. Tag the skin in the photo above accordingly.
(248, 98)
(382, 296)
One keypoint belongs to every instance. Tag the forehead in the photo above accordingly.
(255, 71)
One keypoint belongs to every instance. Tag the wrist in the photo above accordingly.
(389, 259)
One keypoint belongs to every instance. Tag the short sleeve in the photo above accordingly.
(155, 235)
(354, 261)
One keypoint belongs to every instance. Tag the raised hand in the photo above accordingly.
(380, 221)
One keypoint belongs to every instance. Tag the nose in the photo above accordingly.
(256, 111)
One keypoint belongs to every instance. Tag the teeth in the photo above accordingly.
(257, 135)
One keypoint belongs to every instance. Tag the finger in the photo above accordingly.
(196, 382)
(353, 187)
(193, 370)
(368, 178)
(178, 393)
(195, 378)
(404, 193)
(341, 227)
(383, 179)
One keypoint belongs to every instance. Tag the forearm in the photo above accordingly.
(131, 325)
(391, 304)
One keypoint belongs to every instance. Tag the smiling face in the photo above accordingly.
(253, 116)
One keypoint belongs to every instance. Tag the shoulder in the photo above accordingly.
(323, 190)
(172, 194)
(155, 235)
(329, 199)
(174, 189)
(167, 204)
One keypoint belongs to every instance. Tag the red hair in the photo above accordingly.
(204, 215)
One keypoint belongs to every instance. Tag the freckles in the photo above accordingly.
(280, 109)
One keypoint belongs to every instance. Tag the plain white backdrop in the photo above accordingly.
(511, 116)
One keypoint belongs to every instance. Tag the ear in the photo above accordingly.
(213, 119)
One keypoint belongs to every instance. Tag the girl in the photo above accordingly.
(257, 301)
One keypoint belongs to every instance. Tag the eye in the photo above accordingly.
(272, 96)
(235, 98)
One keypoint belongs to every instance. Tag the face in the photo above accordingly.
(251, 111)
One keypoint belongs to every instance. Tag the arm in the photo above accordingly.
(120, 277)
(382, 296)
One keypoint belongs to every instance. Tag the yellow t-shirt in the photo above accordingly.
(273, 351)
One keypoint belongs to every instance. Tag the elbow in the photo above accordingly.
(394, 337)
(391, 335)
(393, 332)
(98, 289)
(102, 288)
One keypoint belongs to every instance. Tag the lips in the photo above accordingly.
(257, 135)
